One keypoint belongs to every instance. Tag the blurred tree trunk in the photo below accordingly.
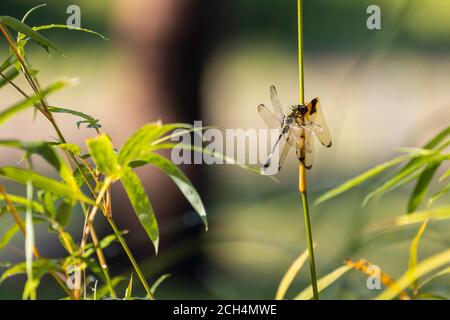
(165, 43)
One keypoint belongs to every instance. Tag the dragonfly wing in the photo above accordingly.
(269, 118)
(275, 102)
(305, 148)
(284, 147)
(317, 120)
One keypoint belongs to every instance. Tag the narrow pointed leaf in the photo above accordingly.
(423, 268)
(360, 179)
(21, 27)
(141, 204)
(138, 144)
(420, 191)
(323, 283)
(22, 105)
(8, 76)
(440, 193)
(43, 183)
(413, 250)
(440, 213)
(180, 179)
(8, 235)
(290, 275)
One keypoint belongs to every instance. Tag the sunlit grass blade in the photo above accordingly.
(12, 110)
(413, 251)
(8, 235)
(141, 204)
(290, 275)
(323, 283)
(412, 275)
(179, 178)
(360, 179)
(440, 213)
(21, 27)
(43, 183)
(404, 174)
(444, 176)
(439, 194)
(441, 273)
(158, 282)
(420, 190)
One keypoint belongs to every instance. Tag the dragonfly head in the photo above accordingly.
(301, 108)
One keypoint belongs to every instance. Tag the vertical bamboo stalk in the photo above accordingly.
(302, 182)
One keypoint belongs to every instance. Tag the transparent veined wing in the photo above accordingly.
(305, 148)
(275, 102)
(317, 122)
(269, 117)
(285, 146)
(278, 153)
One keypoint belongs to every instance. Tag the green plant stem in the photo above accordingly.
(302, 170)
(130, 256)
(309, 240)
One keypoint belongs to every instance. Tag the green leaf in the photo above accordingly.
(434, 142)
(10, 111)
(103, 244)
(441, 213)
(158, 282)
(23, 201)
(8, 76)
(128, 291)
(92, 123)
(139, 143)
(403, 174)
(413, 250)
(439, 194)
(323, 283)
(141, 205)
(180, 179)
(360, 179)
(444, 176)
(43, 183)
(102, 153)
(64, 26)
(28, 31)
(9, 234)
(412, 275)
(27, 14)
(10, 61)
(64, 213)
(420, 191)
(69, 147)
(290, 275)
(48, 153)
(441, 273)
(40, 267)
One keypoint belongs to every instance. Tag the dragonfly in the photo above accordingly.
(297, 127)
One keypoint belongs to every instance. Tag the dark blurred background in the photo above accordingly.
(185, 60)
